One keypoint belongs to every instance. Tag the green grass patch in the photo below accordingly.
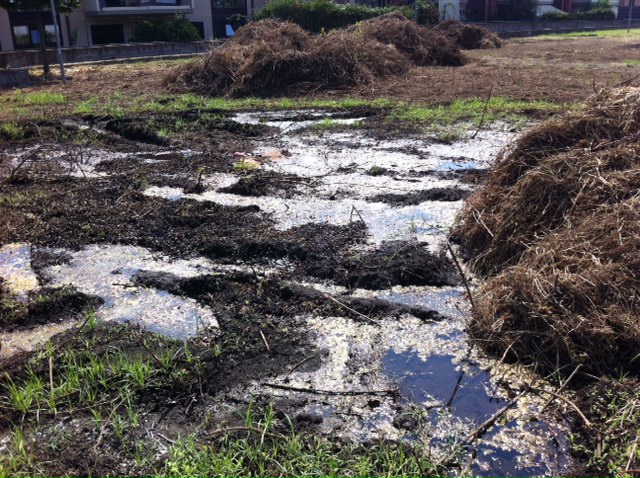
(36, 98)
(471, 110)
(266, 446)
(613, 406)
(631, 62)
(11, 130)
(184, 102)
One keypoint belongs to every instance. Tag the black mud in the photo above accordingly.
(417, 197)
(264, 296)
(45, 306)
(393, 263)
(266, 183)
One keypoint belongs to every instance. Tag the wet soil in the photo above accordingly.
(290, 303)
(410, 199)
(261, 183)
(45, 306)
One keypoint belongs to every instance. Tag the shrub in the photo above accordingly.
(174, 29)
(323, 15)
(555, 16)
(601, 12)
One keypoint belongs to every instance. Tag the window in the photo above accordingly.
(50, 32)
(28, 36)
(21, 36)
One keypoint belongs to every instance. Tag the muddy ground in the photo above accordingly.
(560, 70)
(254, 267)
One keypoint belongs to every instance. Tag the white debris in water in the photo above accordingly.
(356, 360)
(82, 161)
(15, 269)
(384, 223)
(338, 164)
(106, 271)
(286, 120)
(31, 339)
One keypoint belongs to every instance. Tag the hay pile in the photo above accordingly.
(424, 46)
(468, 36)
(556, 228)
(270, 56)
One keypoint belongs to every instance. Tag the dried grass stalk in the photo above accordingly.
(556, 228)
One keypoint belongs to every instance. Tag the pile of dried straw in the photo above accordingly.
(556, 228)
(468, 36)
(423, 46)
(270, 56)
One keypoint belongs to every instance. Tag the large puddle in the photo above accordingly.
(443, 389)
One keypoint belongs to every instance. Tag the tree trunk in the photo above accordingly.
(43, 44)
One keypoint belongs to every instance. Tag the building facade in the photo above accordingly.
(100, 22)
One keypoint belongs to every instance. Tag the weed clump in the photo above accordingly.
(270, 56)
(556, 228)
(468, 36)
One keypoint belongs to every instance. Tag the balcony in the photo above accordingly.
(137, 7)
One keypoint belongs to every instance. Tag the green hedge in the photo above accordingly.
(318, 15)
(175, 28)
(601, 12)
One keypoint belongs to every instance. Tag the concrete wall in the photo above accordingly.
(11, 78)
(6, 40)
(537, 27)
(26, 58)
(202, 13)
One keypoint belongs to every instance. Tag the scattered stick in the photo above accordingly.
(173, 442)
(359, 314)
(561, 388)
(632, 455)
(104, 426)
(303, 361)
(51, 374)
(567, 401)
(482, 428)
(464, 278)
(314, 391)
(153, 355)
(223, 431)
(264, 339)
(484, 112)
(353, 209)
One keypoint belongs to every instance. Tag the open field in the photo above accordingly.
(559, 70)
(263, 286)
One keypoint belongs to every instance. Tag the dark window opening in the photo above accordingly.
(200, 27)
(103, 34)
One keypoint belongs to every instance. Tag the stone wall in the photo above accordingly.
(26, 58)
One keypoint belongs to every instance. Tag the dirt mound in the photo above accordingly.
(467, 36)
(557, 229)
(271, 56)
(424, 46)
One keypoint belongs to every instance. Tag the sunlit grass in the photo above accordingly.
(21, 98)
(615, 33)
(471, 110)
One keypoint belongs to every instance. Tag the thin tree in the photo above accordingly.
(40, 7)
